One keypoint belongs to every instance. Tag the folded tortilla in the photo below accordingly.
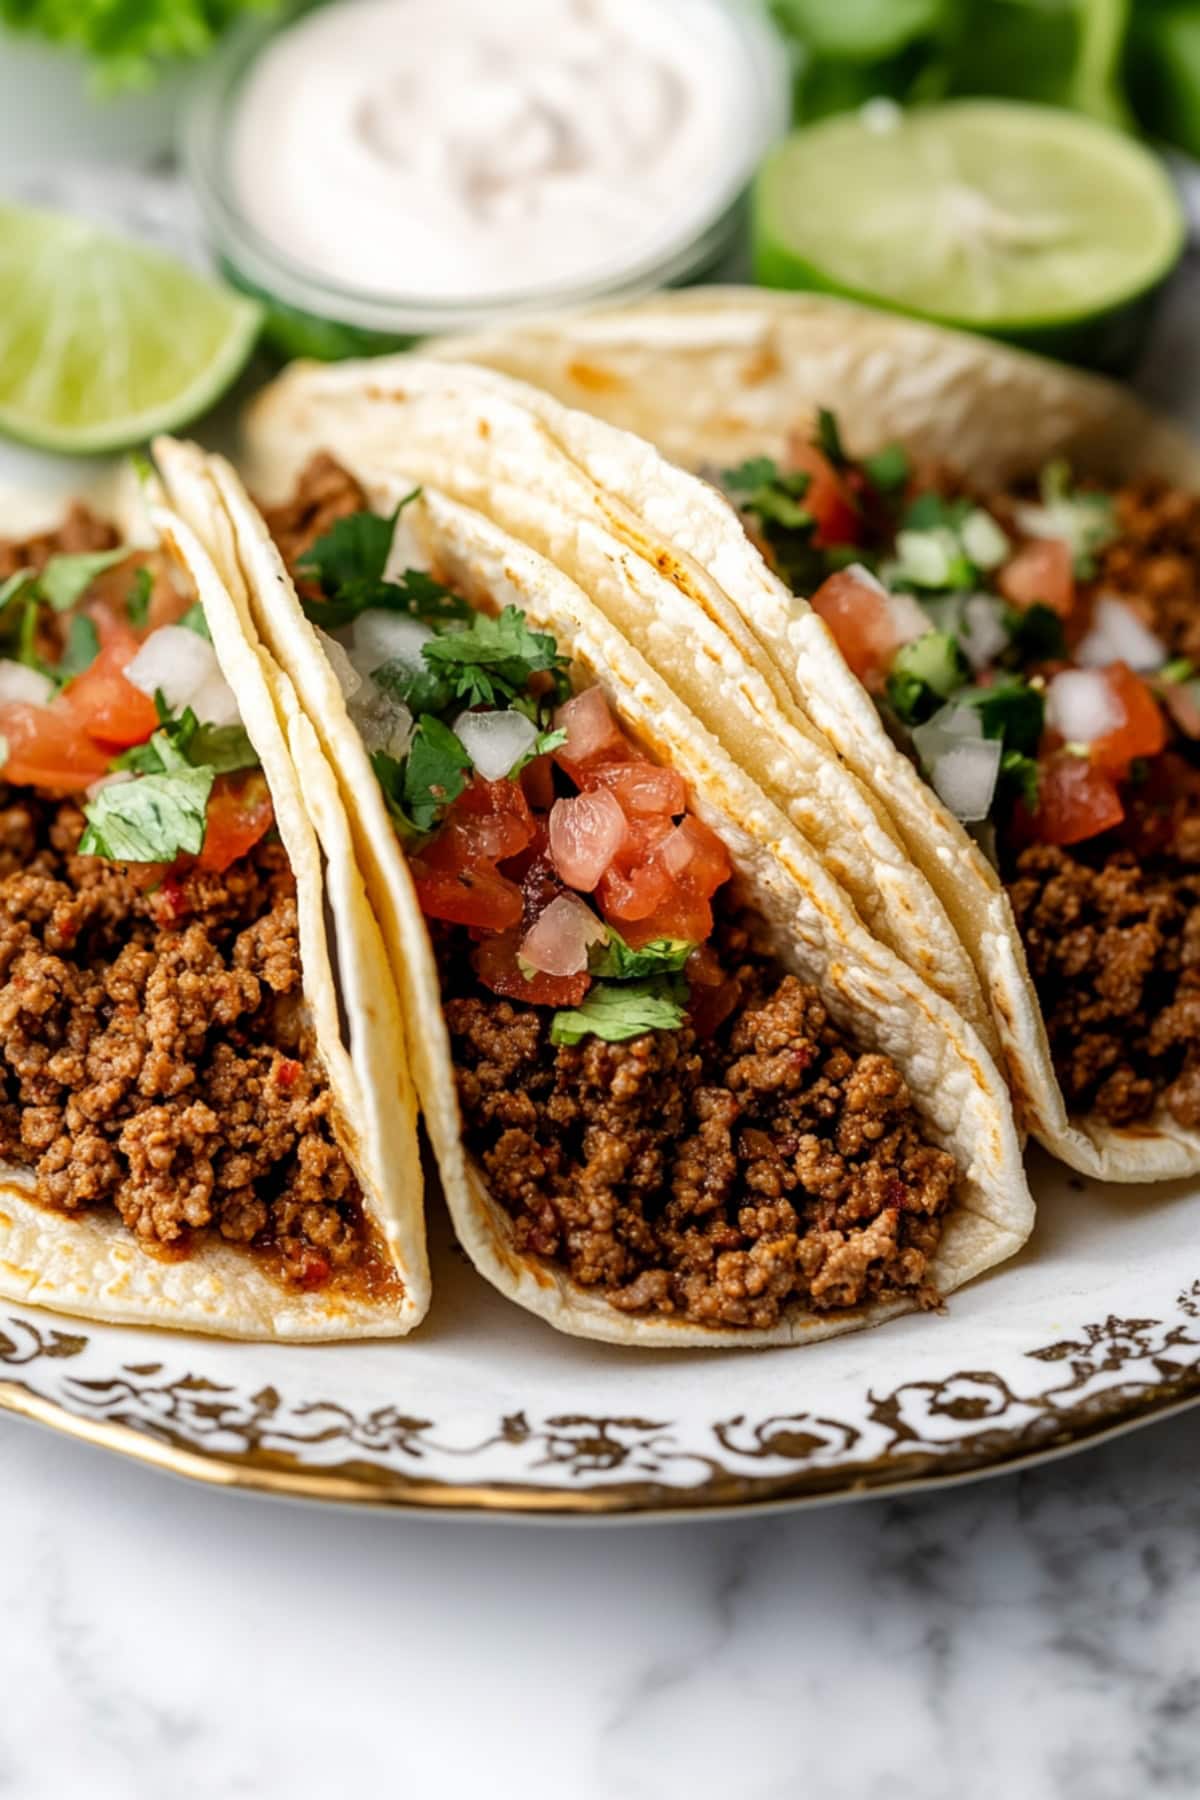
(816, 933)
(713, 377)
(89, 1263)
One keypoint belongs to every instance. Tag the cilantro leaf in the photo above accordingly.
(925, 673)
(494, 659)
(389, 772)
(1011, 710)
(65, 579)
(154, 818)
(1035, 635)
(617, 961)
(929, 512)
(194, 620)
(223, 749)
(81, 650)
(434, 773)
(423, 690)
(543, 744)
(137, 600)
(828, 439)
(771, 494)
(17, 585)
(1018, 779)
(888, 470)
(622, 1010)
(355, 549)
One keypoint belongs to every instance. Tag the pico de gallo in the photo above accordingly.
(154, 1058)
(1037, 654)
(660, 1107)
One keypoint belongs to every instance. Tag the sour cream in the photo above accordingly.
(454, 150)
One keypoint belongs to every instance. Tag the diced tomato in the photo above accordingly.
(1076, 800)
(593, 735)
(684, 914)
(696, 855)
(239, 813)
(494, 817)
(640, 787)
(1144, 731)
(1040, 574)
(636, 883)
(497, 966)
(478, 896)
(109, 708)
(48, 748)
(712, 995)
(826, 498)
(862, 622)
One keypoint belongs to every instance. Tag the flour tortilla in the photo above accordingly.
(715, 376)
(817, 934)
(90, 1265)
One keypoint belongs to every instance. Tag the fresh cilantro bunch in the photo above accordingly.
(130, 42)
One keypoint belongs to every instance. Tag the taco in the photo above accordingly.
(206, 1119)
(834, 429)
(678, 1094)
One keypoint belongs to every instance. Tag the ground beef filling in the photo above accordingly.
(1112, 927)
(712, 1180)
(153, 1056)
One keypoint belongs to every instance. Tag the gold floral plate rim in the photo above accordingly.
(1111, 1376)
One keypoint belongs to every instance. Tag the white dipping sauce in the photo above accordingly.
(453, 149)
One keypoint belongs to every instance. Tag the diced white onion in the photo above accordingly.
(1081, 705)
(983, 540)
(383, 637)
(1118, 634)
(983, 634)
(115, 778)
(494, 741)
(590, 727)
(585, 834)
(950, 726)
(557, 942)
(908, 617)
(214, 702)
(348, 677)
(175, 662)
(383, 723)
(965, 777)
(22, 684)
(927, 557)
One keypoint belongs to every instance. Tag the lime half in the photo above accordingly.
(1026, 222)
(104, 342)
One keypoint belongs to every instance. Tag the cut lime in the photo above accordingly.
(104, 342)
(1026, 222)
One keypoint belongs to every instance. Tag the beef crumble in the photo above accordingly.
(717, 1179)
(153, 1056)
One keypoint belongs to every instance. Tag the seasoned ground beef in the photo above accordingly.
(1155, 562)
(714, 1180)
(1113, 942)
(153, 1056)
(324, 493)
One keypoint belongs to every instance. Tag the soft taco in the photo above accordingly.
(206, 1119)
(1057, 637)
(678, 1094)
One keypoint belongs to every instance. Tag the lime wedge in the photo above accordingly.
(1026, 222)
(104, 342)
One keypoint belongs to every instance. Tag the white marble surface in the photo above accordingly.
(1034, 1636)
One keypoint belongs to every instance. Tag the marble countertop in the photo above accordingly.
(1033, 1636)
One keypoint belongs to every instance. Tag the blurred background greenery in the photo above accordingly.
(1133, 63)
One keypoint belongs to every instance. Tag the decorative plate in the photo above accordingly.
(1095, 1327)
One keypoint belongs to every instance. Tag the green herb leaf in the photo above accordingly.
(828, 439)
(888, 470)
(422, 690)
(1018, 778)
(925, 673)
(137, 601)
(354, 550)
(17, 585)
(929, 512)
(619, 1011)
(154, 818)
(1181, 669)
(616, 961)
(435, 771)
(389, 772)
(1011, 711)
(222, 749)
(544, 744)
(82, 649)
(195, 620)
(1036, 634)
(770, 494)
(493, 660)
(65, 579)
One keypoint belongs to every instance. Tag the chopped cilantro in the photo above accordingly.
(154, 818)
(223, 749)
(65, 579)
(924, 673)
(434, 773)
(348, 565)
(1011, 711)
(929, 512)
(828, 439)
(137, 600)
(616, 961)
(17, 584)
(1036, 635)
(621, 1010)
(81, 650)
(888, 470)
(194, 620)
(492, 660)
(1181, 669)
(1018, 778)
(422, 689)
(543, 744)
(772, 495)
(27, 642)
